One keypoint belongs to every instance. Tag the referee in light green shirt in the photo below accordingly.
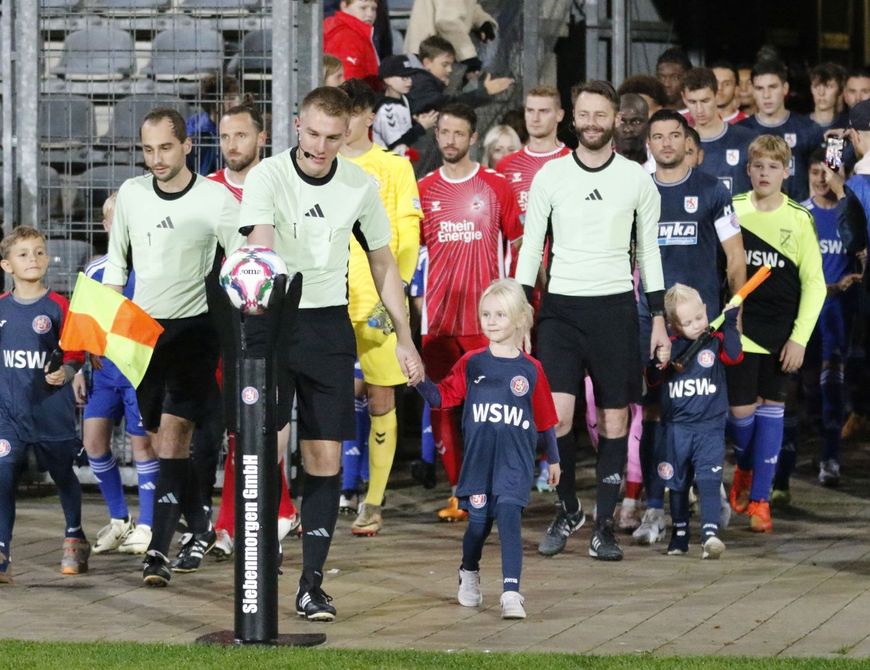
(306, 203)
(169, 223)
(592, 199)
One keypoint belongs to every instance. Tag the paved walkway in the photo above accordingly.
(805, 590)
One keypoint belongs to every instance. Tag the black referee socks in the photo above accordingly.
(567, 462)
(171, 482)
(319, 515)
(612, 454)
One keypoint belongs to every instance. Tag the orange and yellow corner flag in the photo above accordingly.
(103, 322)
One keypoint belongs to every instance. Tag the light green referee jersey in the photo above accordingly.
(592, 211)
(173, 238)
(314, 219)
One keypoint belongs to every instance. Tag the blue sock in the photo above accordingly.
(741, 431)
(655, 485)
(509, 519)
(108, 474)
(788, 453)
(363, 428)
(476, 532)
(146, 477)
(832, 411)
(711, 505)
(427, 439)
(61, 456)
(766, 443)
(351, 450)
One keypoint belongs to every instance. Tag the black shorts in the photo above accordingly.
(315, 361)
(181, 376)
(757, 375)
(598, 335)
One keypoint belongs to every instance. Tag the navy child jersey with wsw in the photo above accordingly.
(34, 410)
(507, 402)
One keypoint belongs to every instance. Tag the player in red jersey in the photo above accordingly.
(242, 140)
(470, 215)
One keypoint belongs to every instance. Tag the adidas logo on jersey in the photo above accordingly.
(595, 195)
(613, 479)
(315, 212)
(166, 223)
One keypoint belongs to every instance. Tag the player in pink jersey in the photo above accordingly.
(470, 215)
(242, 138)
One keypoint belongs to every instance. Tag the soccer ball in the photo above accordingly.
(248, 276)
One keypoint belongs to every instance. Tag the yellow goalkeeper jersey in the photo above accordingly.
(395, 180)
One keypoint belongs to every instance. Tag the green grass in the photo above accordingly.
(106, 655)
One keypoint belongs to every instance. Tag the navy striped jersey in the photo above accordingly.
(696, 216)
(109, 375)
(33, 409)
(507, 401)
(835, 261)
(725, 157)
(696, 395)
(802, 135)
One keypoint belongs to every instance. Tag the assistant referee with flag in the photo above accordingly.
(169, 224)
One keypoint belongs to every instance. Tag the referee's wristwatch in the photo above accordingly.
(656, 312)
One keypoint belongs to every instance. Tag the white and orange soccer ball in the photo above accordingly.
(248, 276)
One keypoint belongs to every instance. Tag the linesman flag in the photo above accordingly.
(103, 322)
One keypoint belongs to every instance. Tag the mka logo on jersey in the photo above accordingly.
(677, 233)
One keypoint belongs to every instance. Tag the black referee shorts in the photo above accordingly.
(756, 376)
(181, 376)
(595, 334)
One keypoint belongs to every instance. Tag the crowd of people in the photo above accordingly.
(615, 273)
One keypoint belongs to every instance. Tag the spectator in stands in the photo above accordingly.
(671, 67)
(434, 63)
(857, 86)
(394, 126)
(218, 94)
(333, 71)
(383, 36)
(827, 80)
(455, 21)
(499, 141)
(647, 87)
(348, 35)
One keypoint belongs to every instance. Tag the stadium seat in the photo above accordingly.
(254, 59)
(188, 51)
(66, 122)
(128, 114)
(127, 7)
(66, 258)
(97, 53)
(58, 7)
(219, 7)
(96, 184)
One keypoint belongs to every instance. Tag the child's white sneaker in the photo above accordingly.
(512, 605)
(712, 548)
(469, 588)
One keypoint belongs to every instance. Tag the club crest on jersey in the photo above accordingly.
(726, 182)
(666, 470)
(516, 177)
(786, 241)
(41, 324)
(790, 139)
(519, 386)
(706, 358)
(5, 448)
(690, 204)
(250, 395)
(477, 203)
(435, 205)
(478, 500)
(732, 156)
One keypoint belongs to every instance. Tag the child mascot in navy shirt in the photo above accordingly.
(691, 437)
(508, 410)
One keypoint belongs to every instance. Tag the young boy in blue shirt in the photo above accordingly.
(37, 408)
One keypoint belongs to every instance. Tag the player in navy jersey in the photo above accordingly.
(110, 397)
(725, 146)
(37, 408)
(691, 438)
(507, 409)
(770, 87)
(830, 341)
(697, 221)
